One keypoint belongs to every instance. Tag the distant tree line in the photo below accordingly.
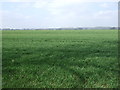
(79, 28)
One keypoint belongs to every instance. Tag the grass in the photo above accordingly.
(0, 59)
(60, 59)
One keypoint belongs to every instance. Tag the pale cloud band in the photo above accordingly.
(60, 0)
(58, 13)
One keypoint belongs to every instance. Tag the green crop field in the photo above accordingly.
(60, 59)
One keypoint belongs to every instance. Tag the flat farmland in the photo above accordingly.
(60, 59)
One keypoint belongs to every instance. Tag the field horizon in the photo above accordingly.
(60, 58)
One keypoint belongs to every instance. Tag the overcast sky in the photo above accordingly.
(58, 13)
